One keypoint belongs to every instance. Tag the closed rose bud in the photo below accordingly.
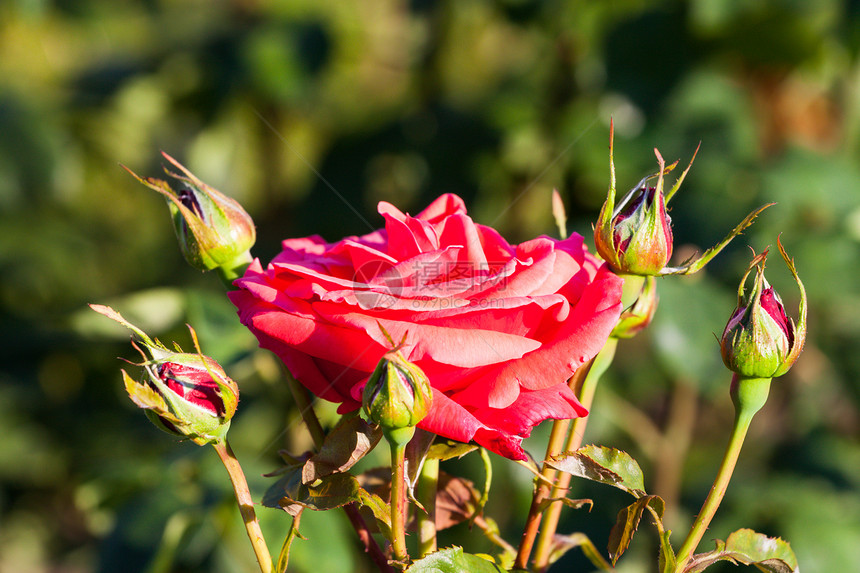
(635, 236)
(760, 340)
(213, 230)
(397, 396)
(641, 234)
(188, 395)
(185, 394)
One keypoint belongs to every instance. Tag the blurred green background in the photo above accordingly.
(309, 112)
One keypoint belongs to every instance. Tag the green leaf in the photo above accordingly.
(749, 548)
(453, 560)
(561, 544)
(375, 492)
(628, 522)
(604, 465)
(379, 507)
(347, 443)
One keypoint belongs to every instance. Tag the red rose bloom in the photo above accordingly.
(497, 328)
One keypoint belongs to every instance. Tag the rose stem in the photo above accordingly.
(398, 500)
(303, 403)
(246, 504)
(585, 394)
(542, 488)
(749, 395)
(428, 482)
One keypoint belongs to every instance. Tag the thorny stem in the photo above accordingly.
(246, 504)
(749, 395)
(585, 393)
(398, 501)
(366, 538)
(428, 483)
(542, 487)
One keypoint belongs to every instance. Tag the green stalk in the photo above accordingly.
(542, 487)
(585, 394)
(428, 483)
(306, 409)
(748, 395)
(246, 504)
(398, 500)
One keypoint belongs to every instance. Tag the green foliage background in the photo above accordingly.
(309, 112)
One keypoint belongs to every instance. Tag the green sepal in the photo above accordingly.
(561, 544)
(800, 327)
(691, 265)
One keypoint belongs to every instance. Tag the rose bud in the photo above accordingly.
(641, 241)
(397, 396)
(185, 394)
(214, 231)
(638, 316)
(635, 236)
(760, 341)
(188, 395)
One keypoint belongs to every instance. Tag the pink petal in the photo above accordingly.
(444, 206)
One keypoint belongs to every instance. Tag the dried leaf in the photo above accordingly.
(447, 450)
(347, 443)
(456, 501)
(628, 522)
(605, 465)
(571, 503)
(291, 495)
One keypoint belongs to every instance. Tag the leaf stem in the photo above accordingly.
(246, 504)
(585, 394)
(749, 395)
(428, 484)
